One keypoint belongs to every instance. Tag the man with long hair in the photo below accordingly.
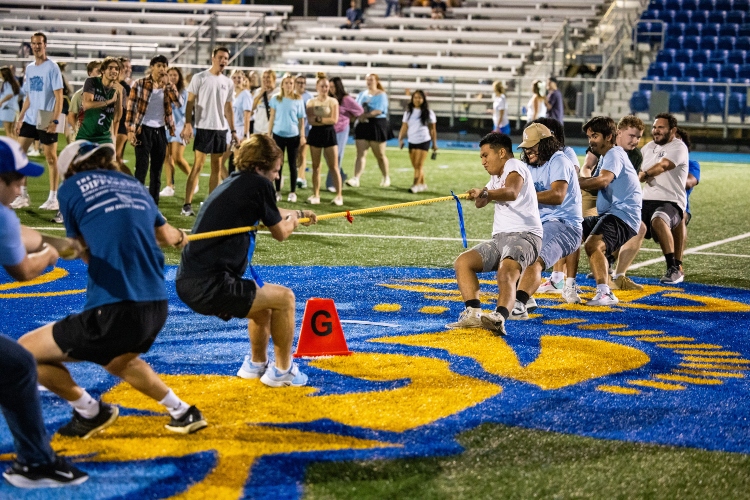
(117, 222)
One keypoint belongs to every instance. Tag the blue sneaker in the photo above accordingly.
(252, 370)
(276, 378)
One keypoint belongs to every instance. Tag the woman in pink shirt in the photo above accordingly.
(349, 110)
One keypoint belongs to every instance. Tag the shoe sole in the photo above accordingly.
(590, 303)
(498, 329)
(188, 429)
(20, 481)
(249, 375)
(553, 290)
(111, 420)
(277, 384)
(675, 282)
(454, 326)
(519, 317)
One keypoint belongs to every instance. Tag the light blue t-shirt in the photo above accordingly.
(39, 84)
(572, 156)
(12, 103)
(116, 217)
(559, 168)
(372, 102)
(178, 112)
(306, 96)
(288, 113)
(243, 102)
(623, 197)
(12, 250)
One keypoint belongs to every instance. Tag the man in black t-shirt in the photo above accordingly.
(209, 278)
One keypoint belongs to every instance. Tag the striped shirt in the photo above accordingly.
(140, 94)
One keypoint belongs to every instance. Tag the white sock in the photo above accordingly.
(174, 405)
(604, 288)
(557, 276)
(24, 191)
(618, 275)
(52, 195)
(570, 282)
(86, 406)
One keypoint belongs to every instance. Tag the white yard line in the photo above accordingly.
(692, 250)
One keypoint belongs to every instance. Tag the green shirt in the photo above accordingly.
(97, 122)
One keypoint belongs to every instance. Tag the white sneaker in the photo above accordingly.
(50, 205)
(338, 201)
(469, 318)
(601, 299)
(548, 286)
(494, 322)
(34, 152)
(570, 295)
(531, 305)
(414, 189)
(274, 378)
(250, 370)
(385, 182)
(353, 182)
(278, 196)
(292, 197)
(314, 200)
(21, 201)
(519, 311)
(167, 192)
(422, 188)
(331, 189)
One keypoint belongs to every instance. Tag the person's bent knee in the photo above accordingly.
(593, 245)
(121, 363)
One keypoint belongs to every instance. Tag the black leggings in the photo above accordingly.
(291, 144)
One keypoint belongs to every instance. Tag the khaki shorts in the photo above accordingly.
(520, 247)
(588, 204)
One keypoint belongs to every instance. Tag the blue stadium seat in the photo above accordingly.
(689, 86)
(671, 5)
(683, 56)
(689, 5)
(736, 17)
(677, 102)
(726, 42)
(744, 72)
(639, 101)
(690, 42)
(724, 5)
(706, 4)
(737, 57)
(704, 85)
(675, 69)
(667, 16)
(742, 43)
(709, 42)
(675, 30)
(667, 56)
(683, 16)
(657, 69)
(695, 102)
(647, 84)
(711, 70)
(693, 29)
(718, 57)
(656, 5)
(729, 29)
(648, 32)
(674, 43)
(715, 103)
(650, 14)
(701, 56)
(737, 103)
(717, 17)
(699, 16)
(709, 30)
(743, 5)
(729, 71)
(693, 70)
(668, 84)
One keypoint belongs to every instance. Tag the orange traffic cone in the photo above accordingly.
(321, 333)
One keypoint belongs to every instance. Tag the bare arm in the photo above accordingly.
(664, 165)
(402, 134)
(554, 195)
(56, 110)
(289, 222)
(433, 135)
(90, 103)
(168, 235)
(513, 185)
(271, 120)
(24, 108)
(187, 130)
(588, 164)
(601, 181)
(33, 264)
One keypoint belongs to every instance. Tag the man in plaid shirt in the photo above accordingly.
(149, 113)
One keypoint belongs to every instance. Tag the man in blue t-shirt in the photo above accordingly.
(618, 204)
(117, 222)
(39, 116)
(24, 256)
(559, 198)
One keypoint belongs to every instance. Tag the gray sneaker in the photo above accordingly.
(570, 295)
(519, 311)
(603, 299)
(673, 276)
(469, 318)
(495, 323)
(252, 370)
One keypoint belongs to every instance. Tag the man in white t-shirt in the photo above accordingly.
(516, 235)
(665, 171)
(210, 95)
(43, 87)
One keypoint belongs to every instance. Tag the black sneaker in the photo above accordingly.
(191, 421)
(82, 427)
(673, 276)
(55, 475)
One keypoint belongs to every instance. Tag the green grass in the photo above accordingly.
(719, 208)
(498, 462)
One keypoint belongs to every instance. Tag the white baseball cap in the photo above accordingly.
(78, 151)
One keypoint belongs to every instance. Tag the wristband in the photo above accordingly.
(182, 238)
(485, 193)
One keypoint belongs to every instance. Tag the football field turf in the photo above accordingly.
(645, 400)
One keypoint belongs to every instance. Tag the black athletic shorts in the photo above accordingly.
(423, 146)
(121, 128)
(224, 295)
(668, 209)
(613, 230)
(31, 132)
(210, 141)
(101, 334)
(322, 136)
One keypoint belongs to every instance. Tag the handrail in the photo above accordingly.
(192, 40)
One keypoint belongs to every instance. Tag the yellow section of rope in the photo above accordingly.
(337, 215)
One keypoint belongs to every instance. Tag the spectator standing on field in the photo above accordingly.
(555, 109)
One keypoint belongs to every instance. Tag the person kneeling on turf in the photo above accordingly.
(516, 235)
(112, 215)
(209, 279)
